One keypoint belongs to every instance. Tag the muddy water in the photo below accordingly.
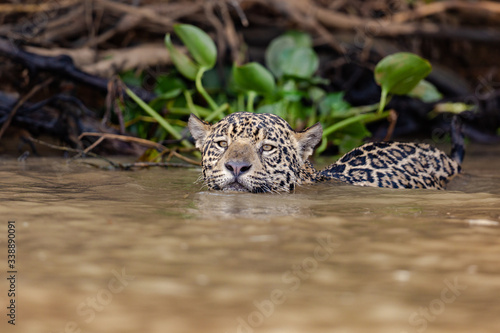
(146, 251)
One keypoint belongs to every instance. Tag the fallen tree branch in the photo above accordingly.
(433, 8)
(115, 166)
(35, 8)
(61, 66)
(184, 158)
(164, 150)
(382, 27)
(142, 142)
(68, 149)
(20, 103)
(142, 12)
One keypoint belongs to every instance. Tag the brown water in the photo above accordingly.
(146, 251)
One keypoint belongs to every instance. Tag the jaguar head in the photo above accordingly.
(254, 152)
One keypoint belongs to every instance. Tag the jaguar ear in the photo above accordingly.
(199, 130)
(308, 139)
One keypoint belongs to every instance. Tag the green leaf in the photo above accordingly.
(451, 107)
(426, 91)
(290, 40)
(364, 118)
(399, 73)
(254, 77)
(301, 39)
(182, 62)
(291, 92)
(317, 80)
(199, 44)
(334, 105)
(273, 53)
(347, 143)
(212, 80)
(169, 94)
(357, 129)
(316, 94)
(162, 121)
(166, 83)
(351, 137)
(131, 78)
(299, 62)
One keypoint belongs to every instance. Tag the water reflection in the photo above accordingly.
(247, 205)
(325, 200)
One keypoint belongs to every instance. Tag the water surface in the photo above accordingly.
(150, 251)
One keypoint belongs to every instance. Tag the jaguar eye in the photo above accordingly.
(222, 144)
(267, 147)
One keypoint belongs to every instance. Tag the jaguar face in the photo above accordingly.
(254, 152)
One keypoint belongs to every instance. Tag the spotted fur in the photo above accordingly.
(394, 165)
(262, 153)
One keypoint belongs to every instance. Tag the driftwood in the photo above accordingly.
(112, 165)
(89, 42)
(147, 143)
(61, 66)
(61, 117)
(54, 24)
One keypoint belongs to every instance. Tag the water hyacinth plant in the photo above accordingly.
(287, 86)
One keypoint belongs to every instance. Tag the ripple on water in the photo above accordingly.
(325, 258)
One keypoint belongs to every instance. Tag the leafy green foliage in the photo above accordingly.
(254, 77)
(288, 88)
(198, 43)
(426, 91)
(399, 73)
(299, 62)
(284, 44)
(182, 62)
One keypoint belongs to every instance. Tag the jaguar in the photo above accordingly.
(260, 152)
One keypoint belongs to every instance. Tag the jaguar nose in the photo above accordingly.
(238, 168)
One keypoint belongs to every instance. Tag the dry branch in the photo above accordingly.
(143, 142)
(23, 100)
(383, 27)
(477, 7)
(61, 66)
(88, 42)
(35, 8)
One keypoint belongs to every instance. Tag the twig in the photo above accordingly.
(142, 142)
(305, 13)
(23, 100)
(384, 28)
(184, 158)
(217, 24)
(240, 12)
(442, 6)
(144, 13)
(67, 149)
(123, 166)
(230, 30)
(62, 66)
(113, 99)
(34, 8)
(92, 146)
(393, 118)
